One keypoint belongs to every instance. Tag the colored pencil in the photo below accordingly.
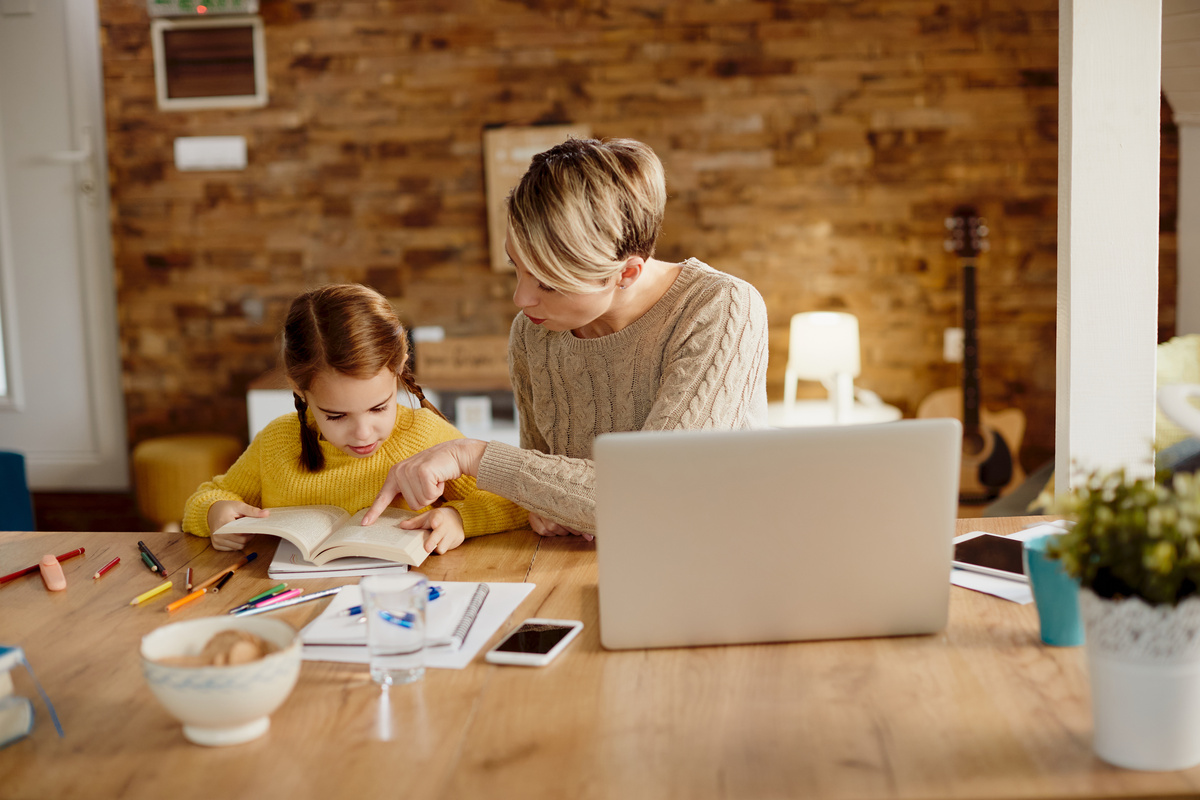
(107, 567)
(263, 608)
(268, 593)
(189, 579)
(150, 565)
(144, 596)
(30, 570)
(221, 574)
(161, 569)
(188, 599)
(221, 583)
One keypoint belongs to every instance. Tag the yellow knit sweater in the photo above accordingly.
(268, 475)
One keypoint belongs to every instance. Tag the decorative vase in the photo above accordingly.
(1144, 664)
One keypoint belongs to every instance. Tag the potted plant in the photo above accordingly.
(1135, 550)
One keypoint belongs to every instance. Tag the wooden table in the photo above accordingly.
(982, 710)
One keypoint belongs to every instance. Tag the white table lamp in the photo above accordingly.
(824, 347)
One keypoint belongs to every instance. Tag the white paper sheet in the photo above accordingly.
(1015, 590)
(502, 601)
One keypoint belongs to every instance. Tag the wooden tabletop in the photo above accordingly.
(982, 710)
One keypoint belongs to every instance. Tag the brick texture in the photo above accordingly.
(813, 148)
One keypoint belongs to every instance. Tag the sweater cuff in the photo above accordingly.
(499, 468)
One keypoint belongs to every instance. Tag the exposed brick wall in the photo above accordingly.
(813, 148)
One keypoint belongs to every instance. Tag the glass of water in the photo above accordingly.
(394, 606)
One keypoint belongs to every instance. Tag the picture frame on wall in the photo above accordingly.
(507, 152)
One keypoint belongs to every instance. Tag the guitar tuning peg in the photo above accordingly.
(983, 228)
(948, 245)
(951, 223)
(985, 246)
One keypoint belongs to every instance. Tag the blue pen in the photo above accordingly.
(353, 611)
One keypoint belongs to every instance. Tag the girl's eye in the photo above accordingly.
(379, 409)
(334, 417)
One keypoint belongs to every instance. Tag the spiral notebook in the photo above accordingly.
(450, 619)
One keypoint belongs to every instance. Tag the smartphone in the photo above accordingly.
(991, 555)
(535, 643)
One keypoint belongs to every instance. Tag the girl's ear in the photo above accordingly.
(296, 390)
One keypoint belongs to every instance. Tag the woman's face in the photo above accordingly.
(555, 310)
(355, 415)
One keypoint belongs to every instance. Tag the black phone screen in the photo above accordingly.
(534, 638)
(989, 550)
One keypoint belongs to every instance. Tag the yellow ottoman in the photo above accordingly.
(168, 469)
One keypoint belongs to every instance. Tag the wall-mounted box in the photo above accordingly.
(211, 62)
(197, 8)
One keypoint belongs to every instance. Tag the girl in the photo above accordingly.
(345, 354)
(608, 338)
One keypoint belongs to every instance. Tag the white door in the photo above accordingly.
(61, 402)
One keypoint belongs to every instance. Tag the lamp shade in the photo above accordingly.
(823, 344)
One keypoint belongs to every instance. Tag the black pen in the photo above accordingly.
(161, 569)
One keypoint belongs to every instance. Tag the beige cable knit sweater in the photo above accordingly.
(696, 359)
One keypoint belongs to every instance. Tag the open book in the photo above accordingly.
(323, 533)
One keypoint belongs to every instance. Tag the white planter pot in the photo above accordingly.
(1144, 664)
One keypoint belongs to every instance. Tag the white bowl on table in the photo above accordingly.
(221, 705)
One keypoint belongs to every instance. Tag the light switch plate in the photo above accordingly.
(210, 152)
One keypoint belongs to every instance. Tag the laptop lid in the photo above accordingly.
(729, 537)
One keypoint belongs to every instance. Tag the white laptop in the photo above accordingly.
(731, 537)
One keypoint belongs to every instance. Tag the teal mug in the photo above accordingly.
(1055, 593)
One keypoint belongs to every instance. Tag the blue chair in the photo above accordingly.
(16, 504)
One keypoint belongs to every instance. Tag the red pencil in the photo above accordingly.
(107, 567)
(34, 568)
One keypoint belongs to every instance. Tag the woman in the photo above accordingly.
(609, 338)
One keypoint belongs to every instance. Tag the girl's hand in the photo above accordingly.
(445, 528)
(422, 478)
(223, 512)
(544, 527)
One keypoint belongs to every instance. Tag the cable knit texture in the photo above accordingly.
(268, 475)
(696, 359)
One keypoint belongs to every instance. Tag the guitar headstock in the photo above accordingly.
(967, 233)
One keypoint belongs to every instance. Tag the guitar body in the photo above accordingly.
(990, 465)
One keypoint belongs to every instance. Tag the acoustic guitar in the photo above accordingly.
(991, 439)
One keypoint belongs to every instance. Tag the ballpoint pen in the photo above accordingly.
(434, 593)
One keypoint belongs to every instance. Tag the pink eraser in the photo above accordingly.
(52, 574)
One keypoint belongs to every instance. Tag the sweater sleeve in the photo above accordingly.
(243, 482)
(714, 377)
(482, 512)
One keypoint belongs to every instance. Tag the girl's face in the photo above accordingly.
(555, 310)
(355, 415)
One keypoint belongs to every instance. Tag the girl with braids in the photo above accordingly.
(345, 353)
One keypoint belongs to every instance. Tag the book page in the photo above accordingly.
(305, 526)
(383, 539)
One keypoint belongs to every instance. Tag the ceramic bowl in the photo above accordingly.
(221, 705)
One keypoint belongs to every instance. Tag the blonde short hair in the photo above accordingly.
(583, 207)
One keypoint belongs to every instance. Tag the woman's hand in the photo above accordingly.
(544, 527)
(421, 478)
(223, 512)
(445, 528)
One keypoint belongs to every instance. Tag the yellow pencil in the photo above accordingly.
(162, 587)
(188, 599)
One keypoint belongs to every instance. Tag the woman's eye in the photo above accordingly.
(544, 287)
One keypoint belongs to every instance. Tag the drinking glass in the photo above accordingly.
(394, 606)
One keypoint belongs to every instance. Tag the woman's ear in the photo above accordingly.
(630, 272)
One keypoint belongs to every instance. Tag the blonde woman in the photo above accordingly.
(608, 338)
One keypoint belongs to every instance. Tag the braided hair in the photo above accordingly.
(345, 328)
